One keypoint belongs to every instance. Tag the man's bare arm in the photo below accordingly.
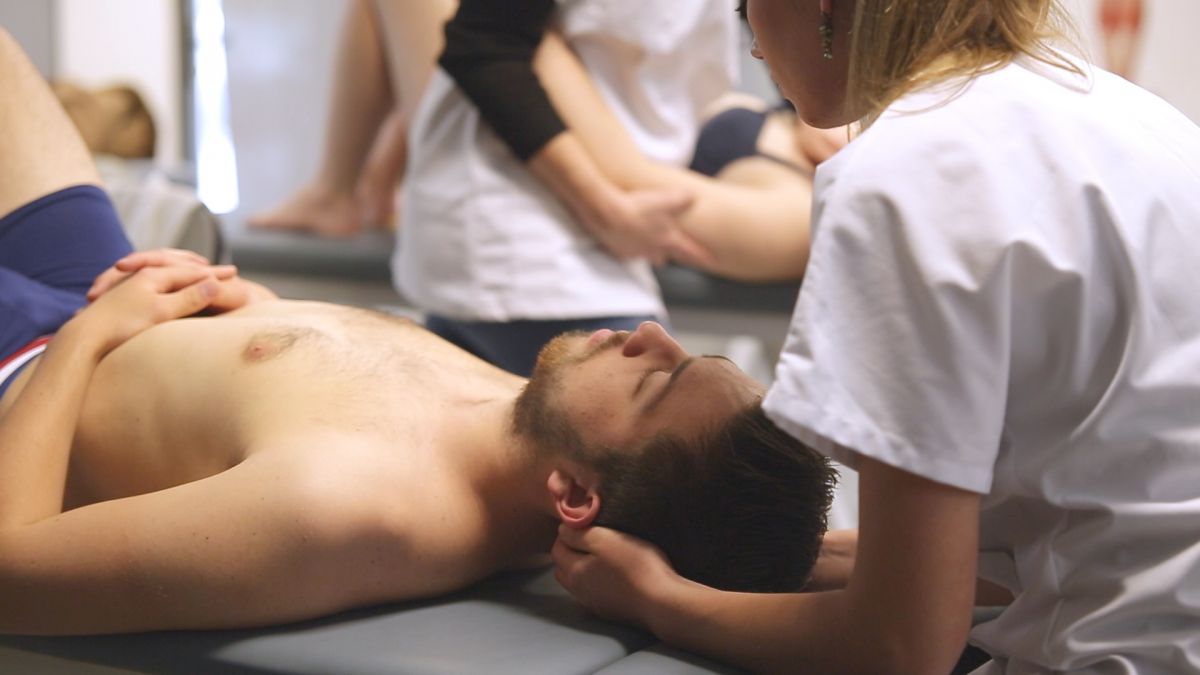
(37, 430)
(303, 528)
(267, 541)
(233, 548)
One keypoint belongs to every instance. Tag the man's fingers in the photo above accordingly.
(125, 267)
(104, 283)
(136, 261)
(231, 295)
(224, 272)
(192, 298)
(140, 260)
(159, 258)
(195, 257)
(132, 262)
(170, 279)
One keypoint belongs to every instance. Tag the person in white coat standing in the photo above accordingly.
(512, 234)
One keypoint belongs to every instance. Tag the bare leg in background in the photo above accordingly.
(42, 149)
(385, 55)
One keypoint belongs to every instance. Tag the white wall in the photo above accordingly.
(135, 42)
(31, 23)
(281, 55)
(1168, 62)
(99, 42)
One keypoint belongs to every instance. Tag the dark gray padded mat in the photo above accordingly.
(660, 659)
(687, 287)
(367, 257)
(522, 624)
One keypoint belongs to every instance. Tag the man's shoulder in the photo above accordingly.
(366, 510)
(362, 487)
(336, 470)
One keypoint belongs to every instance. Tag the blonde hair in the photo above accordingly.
(898, 46)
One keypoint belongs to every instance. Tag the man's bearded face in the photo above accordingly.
(614, 392)
(539, 414)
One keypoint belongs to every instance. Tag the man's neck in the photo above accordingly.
(509, 478)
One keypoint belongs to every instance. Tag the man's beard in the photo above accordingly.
(537, 414)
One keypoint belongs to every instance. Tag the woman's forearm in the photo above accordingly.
(571, 173)
(774, 632)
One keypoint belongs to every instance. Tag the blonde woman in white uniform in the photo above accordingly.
(999, 329)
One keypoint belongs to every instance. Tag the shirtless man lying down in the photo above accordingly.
(274, 461)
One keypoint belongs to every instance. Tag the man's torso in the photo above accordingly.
(346, 393)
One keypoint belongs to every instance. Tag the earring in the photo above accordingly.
(826, 30)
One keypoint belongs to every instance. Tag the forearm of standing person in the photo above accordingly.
(489, 53)
(753, 232)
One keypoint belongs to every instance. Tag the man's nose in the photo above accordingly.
(755, 51)
(652, 338)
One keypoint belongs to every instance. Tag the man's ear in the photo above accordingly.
(575, 500)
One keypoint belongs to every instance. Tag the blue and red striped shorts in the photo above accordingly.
(51, 250)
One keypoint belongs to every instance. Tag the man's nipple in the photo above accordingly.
(258, 351)
(269, 345)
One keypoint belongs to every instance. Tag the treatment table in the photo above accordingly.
(518, 624)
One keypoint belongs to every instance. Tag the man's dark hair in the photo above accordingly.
(743, 508)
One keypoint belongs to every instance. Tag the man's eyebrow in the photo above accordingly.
(675, 378)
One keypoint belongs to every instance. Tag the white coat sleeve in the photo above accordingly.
(899, 346)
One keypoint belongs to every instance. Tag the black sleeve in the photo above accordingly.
(489, 54)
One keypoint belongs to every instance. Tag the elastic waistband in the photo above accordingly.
(12, 365)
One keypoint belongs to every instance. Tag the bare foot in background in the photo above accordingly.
(376, 200)
(313, 210)
(332, 213)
